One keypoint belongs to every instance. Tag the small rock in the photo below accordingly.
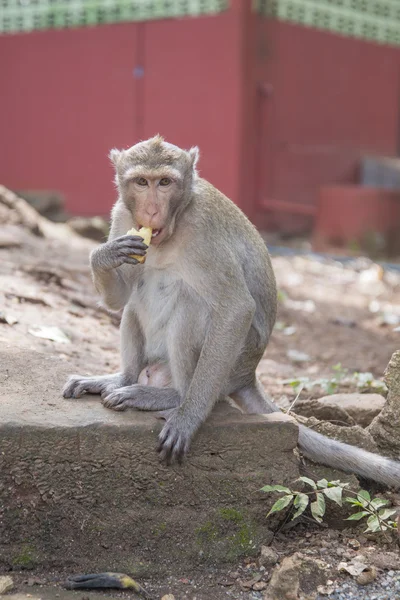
(168, 597)
(250, 582)
(361, 408)
(268, 557)
(296, 576)
(297, 356)
(325, 590)
(234, 575)
(6, 584)
(226, 582)
(384, 560)
(259, 586)
(354, 544)
(367, 576)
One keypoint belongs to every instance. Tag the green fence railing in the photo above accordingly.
(376, 20)
(29, 15)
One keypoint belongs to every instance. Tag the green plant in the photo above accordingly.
(376, 510)
(341, 377)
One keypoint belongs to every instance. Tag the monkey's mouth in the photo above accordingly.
(155, 233)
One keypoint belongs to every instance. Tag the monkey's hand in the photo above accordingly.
(175, 437)
(115, 253)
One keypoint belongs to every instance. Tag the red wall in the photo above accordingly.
(278, 110)
(334, 99)
(71, 95)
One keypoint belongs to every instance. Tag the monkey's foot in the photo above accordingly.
(77, 386)
(174, 439)
(141, 397)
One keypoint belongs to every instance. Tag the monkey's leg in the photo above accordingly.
(221, 345)
(253, 400)
(77, 386)
(132, 358)
(142, 397)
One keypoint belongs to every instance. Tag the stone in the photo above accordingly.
(95, 476)
(297, 576)
(362, 408)
(259, 586)
(268, 557)
(351, 409)
(384, 560)
(367, 576)
(6, 584)
(385, 428)
(94, 228)
(324, 412)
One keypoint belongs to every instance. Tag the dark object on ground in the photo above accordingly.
(118, 581)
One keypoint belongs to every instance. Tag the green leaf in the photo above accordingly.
(281, 504)
(309, 481)
(331, 388)
(318, 507)
(373, 524)
(357, 516)
(322, 483)
(385, 513)
(364, 497)
(353, 501)
(300, 502)
(379, 502)
(275, 488)
(335, 494)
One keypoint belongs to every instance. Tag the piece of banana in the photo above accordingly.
(145, 233)
(104, 581)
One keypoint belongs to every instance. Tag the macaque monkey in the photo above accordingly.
(203, 303)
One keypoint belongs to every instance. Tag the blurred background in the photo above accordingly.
(293, 103)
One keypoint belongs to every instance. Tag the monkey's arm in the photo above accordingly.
(232, 311)
(112, 263)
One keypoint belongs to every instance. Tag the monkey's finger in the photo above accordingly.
(131, 238)
(130, 252)
(132, 244)
(170, 446)
(129, 260)
(136, 240)
(116, 401)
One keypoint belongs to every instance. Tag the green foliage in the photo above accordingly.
(340, 378)
(376, 509)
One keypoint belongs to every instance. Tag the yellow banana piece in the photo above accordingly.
(145, 233)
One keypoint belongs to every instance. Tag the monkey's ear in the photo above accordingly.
(194, 154)
(114, 156)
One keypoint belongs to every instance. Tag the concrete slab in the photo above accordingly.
(82, 486)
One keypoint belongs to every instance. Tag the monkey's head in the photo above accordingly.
(155, 180)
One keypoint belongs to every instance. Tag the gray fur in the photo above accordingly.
(204, 303)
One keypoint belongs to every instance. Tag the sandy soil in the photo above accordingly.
(327, 312)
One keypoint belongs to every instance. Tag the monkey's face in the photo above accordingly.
(155, 180)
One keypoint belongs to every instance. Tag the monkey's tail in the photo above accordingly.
(326, 451)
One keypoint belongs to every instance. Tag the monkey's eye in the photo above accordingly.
(165, 181)
(141, 181)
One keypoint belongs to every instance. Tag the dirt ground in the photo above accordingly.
(329, 315)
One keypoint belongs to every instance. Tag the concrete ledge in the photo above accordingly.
(82, 485)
